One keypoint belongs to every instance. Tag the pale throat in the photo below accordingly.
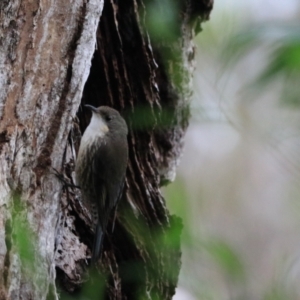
(96, 129)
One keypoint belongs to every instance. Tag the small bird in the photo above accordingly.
(101, 166)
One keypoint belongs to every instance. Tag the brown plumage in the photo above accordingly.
(101, 166)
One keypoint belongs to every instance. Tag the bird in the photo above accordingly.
(101, 167)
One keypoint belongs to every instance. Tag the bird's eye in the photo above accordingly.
(108, 118)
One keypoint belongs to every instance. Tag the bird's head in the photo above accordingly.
(106, 120)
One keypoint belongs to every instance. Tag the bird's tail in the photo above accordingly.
(97, 246)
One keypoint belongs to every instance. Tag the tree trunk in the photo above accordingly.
(55, 56)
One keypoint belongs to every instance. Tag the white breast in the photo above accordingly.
(96, 129)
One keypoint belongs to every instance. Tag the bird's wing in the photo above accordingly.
(100, 200)
(115, 207)
(107, 181)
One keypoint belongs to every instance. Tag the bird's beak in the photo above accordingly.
(92, 108)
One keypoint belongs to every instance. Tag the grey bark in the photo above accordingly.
(45, 57)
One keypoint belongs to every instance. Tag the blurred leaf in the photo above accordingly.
(146, 118)
(178, 201)
(283, 62)
(94, 288)
(163, 24)
(272, 33)
(226, 258)
(162, 20)
(278, 293)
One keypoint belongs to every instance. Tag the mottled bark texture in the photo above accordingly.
(55, 56)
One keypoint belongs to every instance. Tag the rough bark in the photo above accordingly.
(45, 57)
(56, 55)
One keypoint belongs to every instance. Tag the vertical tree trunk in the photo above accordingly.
(56, 55)
(45, 57)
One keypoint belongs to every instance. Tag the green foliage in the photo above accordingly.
(177, 196)
(145, 118)
(162, 20)
(95, 287)
(282, 63)
(202, 247)
(226, 258)
(163, 26)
